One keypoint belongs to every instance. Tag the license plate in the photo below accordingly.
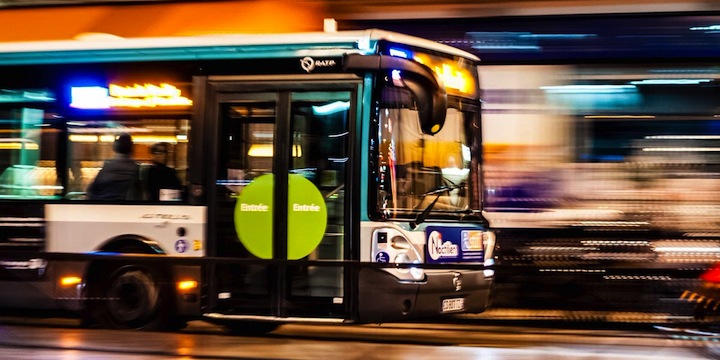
(452, 305)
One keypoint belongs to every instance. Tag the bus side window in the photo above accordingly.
(90, 146)
(28, 156)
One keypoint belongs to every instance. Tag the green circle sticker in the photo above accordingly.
(307, 217)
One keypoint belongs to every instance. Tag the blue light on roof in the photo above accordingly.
(399, 53)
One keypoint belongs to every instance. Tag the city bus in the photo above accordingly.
(325, 177)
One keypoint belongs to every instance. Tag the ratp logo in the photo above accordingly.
(309, 64)
(438, 249)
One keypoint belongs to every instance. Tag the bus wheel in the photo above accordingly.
(134, 299)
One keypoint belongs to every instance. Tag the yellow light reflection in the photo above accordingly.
(452, 76)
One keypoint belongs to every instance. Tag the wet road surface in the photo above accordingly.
(53, 338)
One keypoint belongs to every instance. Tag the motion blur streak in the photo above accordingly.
(563, 151)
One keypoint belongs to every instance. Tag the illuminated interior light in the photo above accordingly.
(18, 146)
(396, 75)
(151, 139)
(181, 137)
(109, 130)
(138, 139)
(187, 285)
(266, 150)
(83, 138)
(107, 138)
(399, 53)
(260, 150)
(331, 108)
(70, 280)
(670, 81)
(263, 135)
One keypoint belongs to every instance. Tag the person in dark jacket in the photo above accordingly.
(119, 178)
(161, 180)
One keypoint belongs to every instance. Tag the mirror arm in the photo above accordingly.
(432, 106)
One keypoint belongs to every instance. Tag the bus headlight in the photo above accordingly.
(417, 273)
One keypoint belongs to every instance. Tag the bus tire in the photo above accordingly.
(134, 298)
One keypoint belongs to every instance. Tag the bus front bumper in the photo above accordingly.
(384, 298)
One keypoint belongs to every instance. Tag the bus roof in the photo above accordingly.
(105, 47)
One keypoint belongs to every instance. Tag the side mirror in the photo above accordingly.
(420, 79)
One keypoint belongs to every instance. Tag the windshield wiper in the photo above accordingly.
(437, 191)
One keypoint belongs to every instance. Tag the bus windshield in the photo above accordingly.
(415, 169)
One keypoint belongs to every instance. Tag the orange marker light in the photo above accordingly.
(70, 280)
(187, 285)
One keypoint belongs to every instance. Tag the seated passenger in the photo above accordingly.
(161, 181)
(119, 178)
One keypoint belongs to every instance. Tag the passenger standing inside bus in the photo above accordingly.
(119, 178)
(161, 180)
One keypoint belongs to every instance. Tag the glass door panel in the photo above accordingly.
(320, 153)
(281, 179)
(245, 160)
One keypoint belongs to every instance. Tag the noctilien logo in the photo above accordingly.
(309, 64)
(439, 249)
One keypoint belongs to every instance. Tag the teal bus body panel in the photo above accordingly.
(244, 46)
(174, 54)
(365, 117)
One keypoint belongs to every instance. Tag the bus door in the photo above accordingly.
(281, 179)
